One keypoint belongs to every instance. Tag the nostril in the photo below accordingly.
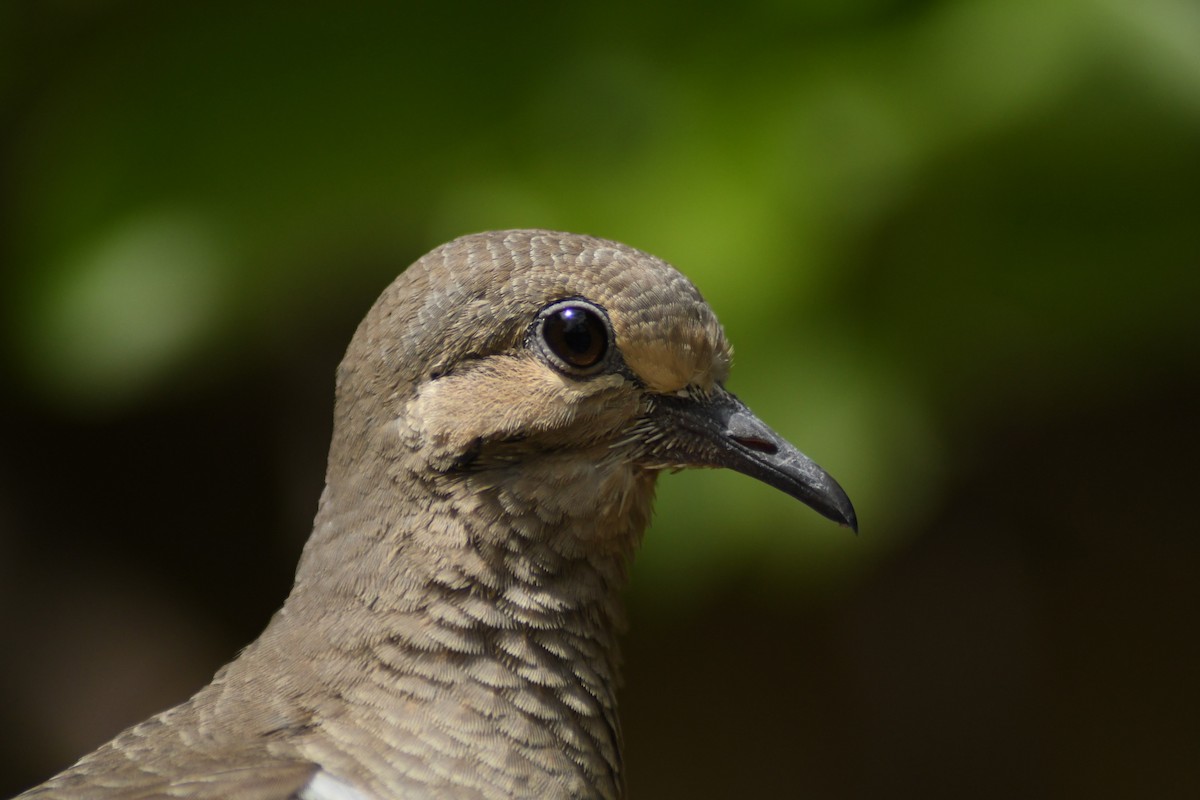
(757, 444)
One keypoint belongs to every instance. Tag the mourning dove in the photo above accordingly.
(502, 414)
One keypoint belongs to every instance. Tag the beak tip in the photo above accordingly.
(842, 512)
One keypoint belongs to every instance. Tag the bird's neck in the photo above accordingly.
(481, 615)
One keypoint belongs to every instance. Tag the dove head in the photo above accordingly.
(563, 371)
(540, 338)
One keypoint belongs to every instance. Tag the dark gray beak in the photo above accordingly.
(719, 431)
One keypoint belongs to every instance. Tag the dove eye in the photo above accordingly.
(575, 336)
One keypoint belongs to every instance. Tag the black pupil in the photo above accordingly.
(576, 335)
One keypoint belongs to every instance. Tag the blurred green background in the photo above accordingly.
(956, 246)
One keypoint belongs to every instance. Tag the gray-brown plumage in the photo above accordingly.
(502, 414)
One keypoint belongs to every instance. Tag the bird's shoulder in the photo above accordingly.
(158, 761)
(264, 780)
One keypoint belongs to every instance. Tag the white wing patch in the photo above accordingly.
(323, 786)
